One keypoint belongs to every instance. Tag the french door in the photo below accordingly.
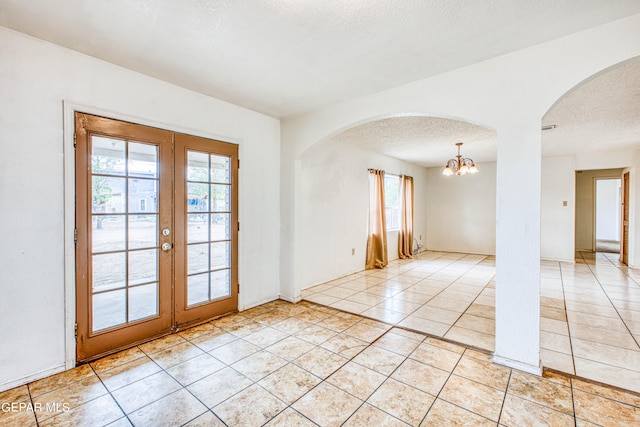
(156, 232)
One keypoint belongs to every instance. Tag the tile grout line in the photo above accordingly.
(35, 417)
(407, 357)
(329, 375)
(444, 385)
(447, 287)
(569, 335)
(573, 360)
(315, 346)
(230, 367)
(573, 403)
(504, 398)
(364, 402)
(148, 354)
(171, 376)
(615, 308)
(66, 384)
(529, 399)
(383, 281)
(189, 391)
(442, 388)
(291, 362)
(350, 359)
(110, 394)
(470, 304)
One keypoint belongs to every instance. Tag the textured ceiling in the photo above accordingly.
(425, 141)
(602, 113)
(287, 57)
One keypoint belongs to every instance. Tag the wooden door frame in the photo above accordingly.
(69, 108)
(626, 189)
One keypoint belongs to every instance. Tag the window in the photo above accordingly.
(391, 201)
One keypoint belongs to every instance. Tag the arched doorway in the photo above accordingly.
(588, 306)
(448, 290)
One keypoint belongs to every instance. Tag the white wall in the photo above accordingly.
(35, 78)
(334, 203)
(559, 223)
(461, 214)
(557, 229)
(461, 211)
(608, 209)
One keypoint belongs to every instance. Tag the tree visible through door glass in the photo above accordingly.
(124, 235)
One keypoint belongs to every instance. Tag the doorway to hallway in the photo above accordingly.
(608, 206)
(597, 210)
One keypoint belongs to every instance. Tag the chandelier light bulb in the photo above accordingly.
(459, 165)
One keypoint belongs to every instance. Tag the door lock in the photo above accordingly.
(166, 246)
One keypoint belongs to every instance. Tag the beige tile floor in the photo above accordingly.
(590, 310)
(303, 364)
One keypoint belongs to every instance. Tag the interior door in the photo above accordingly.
(123, 201)
(156, 232)
(625, 219)
(206, 241)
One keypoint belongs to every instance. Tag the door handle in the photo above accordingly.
(166, 246)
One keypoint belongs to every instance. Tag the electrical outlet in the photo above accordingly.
(353, 251)
(564, 203)
(421, 237)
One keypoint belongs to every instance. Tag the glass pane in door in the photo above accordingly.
(124, 232)
(208, 233)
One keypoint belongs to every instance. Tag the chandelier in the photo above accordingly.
(460, 165)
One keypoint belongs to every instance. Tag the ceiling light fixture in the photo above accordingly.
(460, 165)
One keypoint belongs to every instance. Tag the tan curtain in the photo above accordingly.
(377, 240)
(405, 235)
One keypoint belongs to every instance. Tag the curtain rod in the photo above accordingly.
(380, 170)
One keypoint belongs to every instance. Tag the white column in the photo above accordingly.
(518, 246)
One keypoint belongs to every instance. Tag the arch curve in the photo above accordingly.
(363, 122)
(585, 81)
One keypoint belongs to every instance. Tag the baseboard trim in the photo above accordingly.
(320, 282)
(570, 261)
(34, 377)
(520, 366)
(293, 300)
(264, 301)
